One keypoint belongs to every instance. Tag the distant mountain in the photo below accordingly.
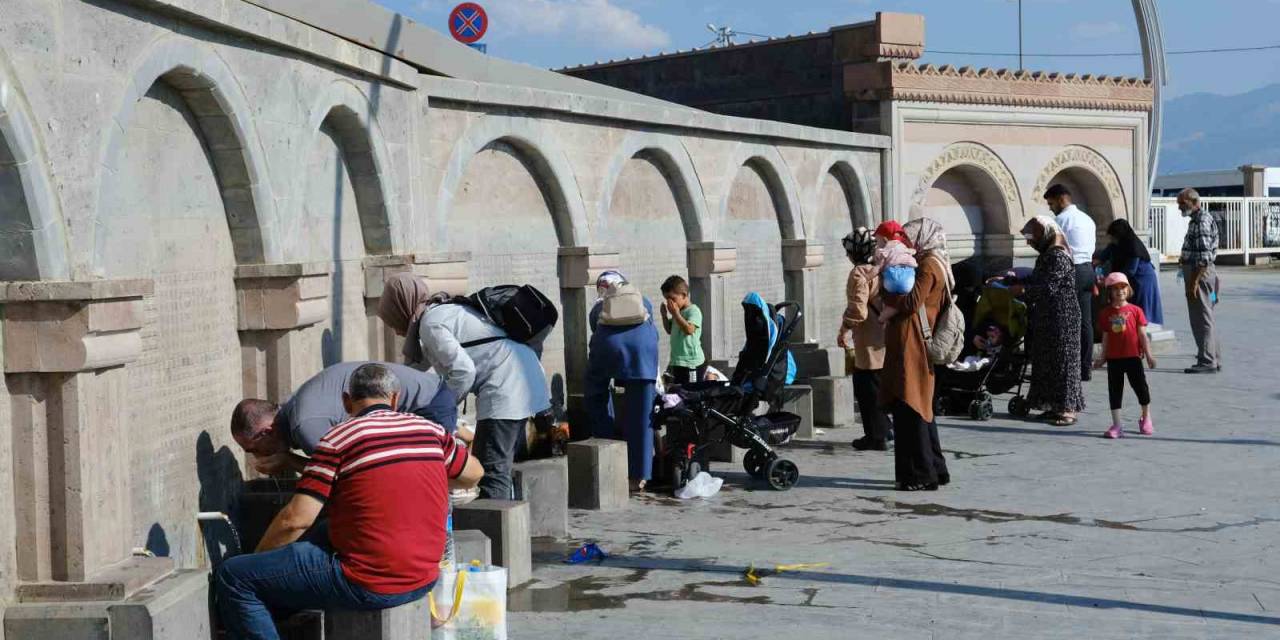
(1205, 131)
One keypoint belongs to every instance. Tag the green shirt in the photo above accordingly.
(686, 350)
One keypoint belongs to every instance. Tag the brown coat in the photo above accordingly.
(861, 290)
(907, 374)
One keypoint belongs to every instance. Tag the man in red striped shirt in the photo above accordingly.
(385, 478)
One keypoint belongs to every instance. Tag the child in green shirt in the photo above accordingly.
(688, 364)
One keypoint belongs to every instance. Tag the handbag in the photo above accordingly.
(475, 598)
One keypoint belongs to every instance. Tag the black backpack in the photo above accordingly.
(522, 311)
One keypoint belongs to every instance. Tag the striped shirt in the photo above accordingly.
(384, 478)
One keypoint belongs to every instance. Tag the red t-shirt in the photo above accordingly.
(1120, 329)
(385, 478)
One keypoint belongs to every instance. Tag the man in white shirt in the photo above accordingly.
(1082, 235)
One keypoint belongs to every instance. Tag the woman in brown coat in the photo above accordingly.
(906, 382)
(862, 296)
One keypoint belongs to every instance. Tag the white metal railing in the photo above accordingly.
(1246, 226)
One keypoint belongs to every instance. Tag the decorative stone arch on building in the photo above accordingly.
(979, 157)
(537, 147)
(349, 113)
(33, 243)
(1091, 178)
(214, 97)
(671, 158)
(773, 170)
(848, 173)
(970, 175)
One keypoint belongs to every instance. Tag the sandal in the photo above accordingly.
(1063, 421)
(919, 486)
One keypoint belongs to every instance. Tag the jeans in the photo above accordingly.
(442, 410)
(495, 448)
(302, 575)
(636, 427)
(1085, 280)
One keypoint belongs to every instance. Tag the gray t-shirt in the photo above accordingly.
(316, 407)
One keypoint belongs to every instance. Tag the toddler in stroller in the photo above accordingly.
(699, 415)
(995, 361)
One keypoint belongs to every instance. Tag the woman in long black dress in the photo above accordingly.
(1055, 325)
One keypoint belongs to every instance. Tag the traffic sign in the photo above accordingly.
(468, 22)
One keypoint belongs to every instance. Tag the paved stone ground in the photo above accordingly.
(1044, 533)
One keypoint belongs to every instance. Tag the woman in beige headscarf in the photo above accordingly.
(404, 298)
(906, 382)
(1054, 317)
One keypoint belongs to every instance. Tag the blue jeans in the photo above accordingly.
(442, 410)
(298, 576)
(636, 427)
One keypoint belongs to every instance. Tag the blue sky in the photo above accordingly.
(557, 33)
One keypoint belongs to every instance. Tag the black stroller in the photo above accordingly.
(971, 391)
(716, 412)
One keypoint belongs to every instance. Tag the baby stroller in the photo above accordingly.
(703, 414)
(970, 390)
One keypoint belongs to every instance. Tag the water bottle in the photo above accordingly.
(447, 558)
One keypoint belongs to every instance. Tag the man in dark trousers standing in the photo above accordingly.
(1082, 235)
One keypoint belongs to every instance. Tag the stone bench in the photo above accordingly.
(802, 405)
(598, 474)
(506, 524)
(544, 485)
(833, 404)
(410, 621)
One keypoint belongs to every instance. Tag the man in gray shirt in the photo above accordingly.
(268, 432)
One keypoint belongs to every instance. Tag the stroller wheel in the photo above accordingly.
(682, 471)
(756, 462)
(942, 405)
(981, 410)
(782, 474)
(1018, 407)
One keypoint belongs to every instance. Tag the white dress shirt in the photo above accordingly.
(1082, 233)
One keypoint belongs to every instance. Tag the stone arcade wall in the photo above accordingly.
(207, 195)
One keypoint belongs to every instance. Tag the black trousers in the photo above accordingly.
(917, 453)
(1116, 372)
(495, 448)
(866, 391)
(1084, 288)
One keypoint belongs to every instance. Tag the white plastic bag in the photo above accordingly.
(702, 485)
(470, 604)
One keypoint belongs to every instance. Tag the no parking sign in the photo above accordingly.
(468, 22)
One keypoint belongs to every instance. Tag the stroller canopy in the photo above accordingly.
(761, 323)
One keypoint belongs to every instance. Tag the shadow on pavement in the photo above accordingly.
(1097, 433)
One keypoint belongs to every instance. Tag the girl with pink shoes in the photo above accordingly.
(1124, 346)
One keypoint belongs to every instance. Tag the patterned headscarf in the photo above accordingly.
(1044, 233)
(860, 246)
(926, 235)
(404, 299)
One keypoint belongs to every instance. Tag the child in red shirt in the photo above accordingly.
(1124, 346)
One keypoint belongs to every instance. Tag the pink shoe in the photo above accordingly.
(1114, 432)
(1145, 427)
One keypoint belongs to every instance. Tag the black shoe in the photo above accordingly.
(1085, 377)
(933, 486)
(944, 479)
(867, 444)
(1201, 368)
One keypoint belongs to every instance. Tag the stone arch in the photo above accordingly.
(838, 202)
(213, 95)
(33, 241)
(538, 149)
(672, 158)
(348, 113)
(773, 170)
(844, 167)
(971, 180)
(1093, 181)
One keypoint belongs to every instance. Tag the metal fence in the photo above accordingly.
(1246, 226)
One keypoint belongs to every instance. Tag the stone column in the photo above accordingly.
(1255, 181)
(65, 347)
(384, 344)
(710, 264)
(276, 303)
(578, 268)
(800, 261)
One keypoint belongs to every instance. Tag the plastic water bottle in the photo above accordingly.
(447, 558)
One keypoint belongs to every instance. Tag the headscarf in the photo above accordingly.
(405, 297)
(1044, 233)
(926, 235)
(860, 246)
(892, 230)
(607, 281)
(1126, 247)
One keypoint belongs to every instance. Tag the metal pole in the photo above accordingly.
(1020, 68)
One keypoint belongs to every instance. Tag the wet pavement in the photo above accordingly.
(1045, 532)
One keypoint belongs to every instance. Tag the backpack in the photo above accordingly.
(523, 312)
(944, 341)
(623, 306)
